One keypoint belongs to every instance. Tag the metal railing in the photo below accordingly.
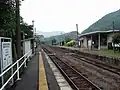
(25, 57)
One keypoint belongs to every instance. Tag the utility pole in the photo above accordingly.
(33, 27)
(35, 31)
(113, 36)
(77, 34)
(33, 37)
(18, 32)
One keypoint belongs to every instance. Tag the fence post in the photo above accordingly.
(29, 58)
(18, 73)
(25, 63)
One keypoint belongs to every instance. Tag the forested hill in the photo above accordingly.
(71, 35)
(105, 23)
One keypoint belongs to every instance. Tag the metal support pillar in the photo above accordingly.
(18, 72)
(99, 41)
(77, 35)
(91, 43)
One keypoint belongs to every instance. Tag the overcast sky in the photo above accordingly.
(62, 15)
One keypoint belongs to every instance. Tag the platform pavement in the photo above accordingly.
(52, 83)
(30, 80)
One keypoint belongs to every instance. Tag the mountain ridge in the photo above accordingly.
(49, 34)
(105, 23)
(72, 35)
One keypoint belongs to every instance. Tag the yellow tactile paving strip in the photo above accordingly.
(42, 76)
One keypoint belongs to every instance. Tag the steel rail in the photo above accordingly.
(93, 62)
(60, 63)
(75, 84)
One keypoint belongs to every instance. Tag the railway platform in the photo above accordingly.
(41, 74)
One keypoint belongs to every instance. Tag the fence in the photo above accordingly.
(17, 71)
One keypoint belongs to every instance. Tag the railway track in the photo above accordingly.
(93, 62)
(46, 50)
(99, 64)
(74, 78)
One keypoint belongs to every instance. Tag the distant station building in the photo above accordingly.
(96, 39)
(41, 37)
(99, 35)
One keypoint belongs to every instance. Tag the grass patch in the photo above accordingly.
(109, 52)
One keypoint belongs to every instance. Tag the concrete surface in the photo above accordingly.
(52, 83)
(62, 83)
(29, 80)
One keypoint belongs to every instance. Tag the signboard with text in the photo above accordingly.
(6, 54)
(35, 44)
(89, 42)
(27, 46)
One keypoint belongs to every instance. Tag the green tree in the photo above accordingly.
(71, 43)
(8, 22)
(27, 29)
(116, 38)
(67, 39)
(53, 41)
(7, 17)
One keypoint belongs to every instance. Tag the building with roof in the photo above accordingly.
(100, 34)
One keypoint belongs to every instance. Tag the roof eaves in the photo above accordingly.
(98, 32)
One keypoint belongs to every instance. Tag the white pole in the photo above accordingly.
(18, 73)
(99, 41)
(29, 58)
(25, 63)
(91, 43)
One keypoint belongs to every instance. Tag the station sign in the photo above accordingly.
(79, 43)
(89, 42)
(6, 55)
(35, 44)
(27, 46)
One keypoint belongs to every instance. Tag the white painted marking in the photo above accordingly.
(63, 84)
(42, 49)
